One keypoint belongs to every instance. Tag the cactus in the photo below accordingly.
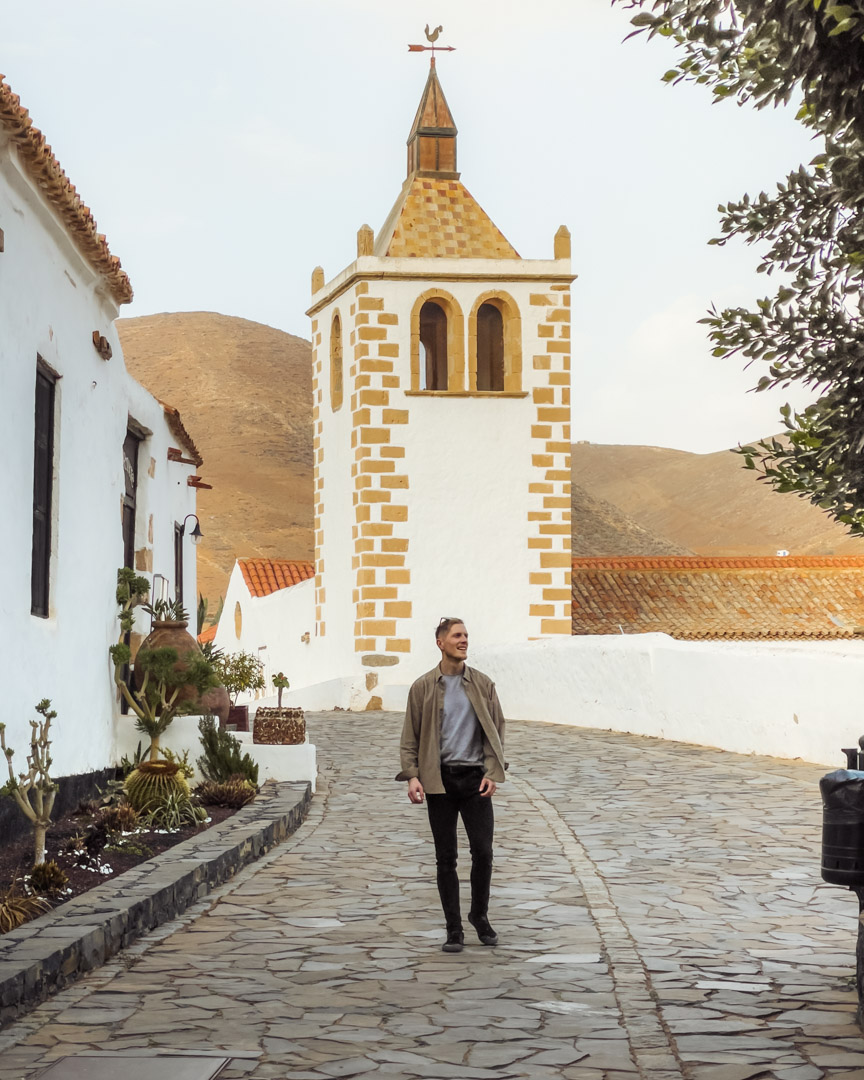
(222, 758)
(34, 791)
(148, 786)
(281, 683)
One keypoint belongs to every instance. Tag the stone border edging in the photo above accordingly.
(48, 953)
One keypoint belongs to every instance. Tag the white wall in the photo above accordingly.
(784, 699)
(51, 301)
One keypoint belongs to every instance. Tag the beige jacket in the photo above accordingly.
(420, 748)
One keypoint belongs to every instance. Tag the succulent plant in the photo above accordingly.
(47, 878)
(117, 819)
(15, 908)
(152, 783)
(233, 793)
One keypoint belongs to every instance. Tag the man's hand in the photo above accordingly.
(488, 787)
(415, 790)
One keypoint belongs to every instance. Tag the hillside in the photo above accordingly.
(705, 502)
(245, 394)
(244, 391)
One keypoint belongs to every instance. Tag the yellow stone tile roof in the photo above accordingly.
(43, 168)
(439, 219)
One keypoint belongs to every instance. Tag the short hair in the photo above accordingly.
(444, 625)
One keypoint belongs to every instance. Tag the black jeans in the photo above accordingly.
(462, 796)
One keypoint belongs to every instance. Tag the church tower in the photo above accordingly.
(441, 427)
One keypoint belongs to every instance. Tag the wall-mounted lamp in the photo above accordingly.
(196, 533)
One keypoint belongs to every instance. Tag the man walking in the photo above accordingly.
(452, 753)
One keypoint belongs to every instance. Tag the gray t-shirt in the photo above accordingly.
(461, 735)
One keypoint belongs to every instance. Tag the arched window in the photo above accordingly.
(490, 348)
(433, 347)
(495, 344)
(336, 362)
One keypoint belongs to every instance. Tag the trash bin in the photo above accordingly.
(843, 827)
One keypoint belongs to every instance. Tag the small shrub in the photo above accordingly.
(16, 909)
(222, 758)
(47, 878)
(130, 845)
(116, 819)
(86, 808)
(176, 811)
(128, 764)
(181, 761)
(233, 793)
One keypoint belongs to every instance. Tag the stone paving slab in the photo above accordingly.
(659, 905)
(50, 952)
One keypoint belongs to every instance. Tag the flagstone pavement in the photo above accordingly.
(659, 905)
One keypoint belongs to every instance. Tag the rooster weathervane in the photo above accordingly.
(432, 37)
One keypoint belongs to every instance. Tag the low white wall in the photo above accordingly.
(274, 762)
(790, 700)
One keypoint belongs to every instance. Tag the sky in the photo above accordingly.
(227, 149)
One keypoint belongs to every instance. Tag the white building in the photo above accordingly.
(441, 381)
(96, 474)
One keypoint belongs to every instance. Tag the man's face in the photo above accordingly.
(454, 644)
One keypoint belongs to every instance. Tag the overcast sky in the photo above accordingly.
(226, 149)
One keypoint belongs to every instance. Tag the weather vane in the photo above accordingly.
(432, 37)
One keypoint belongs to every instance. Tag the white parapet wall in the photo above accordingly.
(784, 699)
(274, 762)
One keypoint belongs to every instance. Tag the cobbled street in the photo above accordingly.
(659, 905)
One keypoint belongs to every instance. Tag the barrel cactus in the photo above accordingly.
(149, 785)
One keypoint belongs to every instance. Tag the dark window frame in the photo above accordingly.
(44, 420)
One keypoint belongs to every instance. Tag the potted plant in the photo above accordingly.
(281, 726)
(170, 674)
(240, 673)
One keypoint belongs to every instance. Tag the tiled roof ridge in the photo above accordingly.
(264, 575)
(715, 562)
(58, 190)
(178, 430)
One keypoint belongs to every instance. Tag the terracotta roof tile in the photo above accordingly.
(723, 598)
(436, 218)
(266, 576)
(45, 171)
(177, 429)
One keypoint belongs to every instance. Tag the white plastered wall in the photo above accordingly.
(468, 461)
(784, 699)
(51, 301)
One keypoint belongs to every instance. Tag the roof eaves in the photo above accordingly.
(43, 168)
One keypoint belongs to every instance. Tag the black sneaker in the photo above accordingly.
(455, 941)
(484, 931)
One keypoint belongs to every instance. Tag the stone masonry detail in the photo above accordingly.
(549, 518)
(318, 476)
(379, 482)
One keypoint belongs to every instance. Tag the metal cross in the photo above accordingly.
(432, 37)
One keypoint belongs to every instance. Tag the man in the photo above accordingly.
(452, 753)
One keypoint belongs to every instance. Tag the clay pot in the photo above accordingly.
(218, 702)
(174, 635)
(238, 717)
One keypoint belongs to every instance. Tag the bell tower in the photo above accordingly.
(441, 375)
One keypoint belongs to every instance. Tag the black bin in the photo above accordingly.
(843, 827)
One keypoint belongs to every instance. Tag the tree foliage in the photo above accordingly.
(811, 330)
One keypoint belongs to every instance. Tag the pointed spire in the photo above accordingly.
(432, 142)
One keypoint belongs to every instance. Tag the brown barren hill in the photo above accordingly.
(706, 502)
(244, 391)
